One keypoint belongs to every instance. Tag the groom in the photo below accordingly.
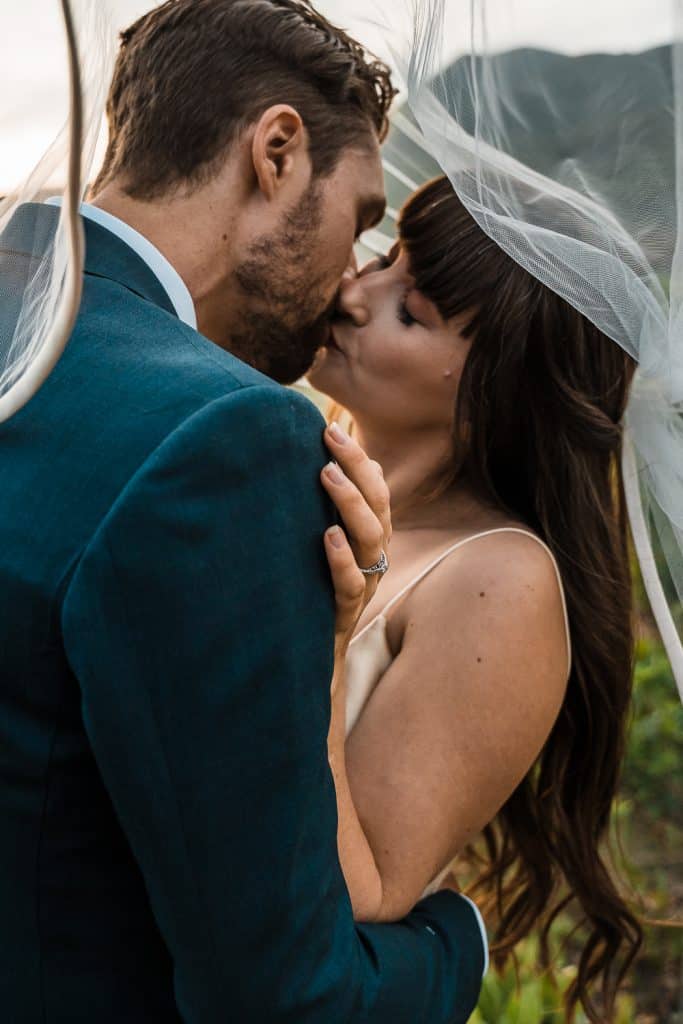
(167, 816)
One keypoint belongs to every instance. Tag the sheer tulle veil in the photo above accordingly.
(42, 295)
(560, 127)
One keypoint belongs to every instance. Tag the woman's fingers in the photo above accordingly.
(357, 486)
(363, 527)
(365, 474)
(349, 582)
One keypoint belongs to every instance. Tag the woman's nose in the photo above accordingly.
(352, 301)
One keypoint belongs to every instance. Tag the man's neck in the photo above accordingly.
(185, 230)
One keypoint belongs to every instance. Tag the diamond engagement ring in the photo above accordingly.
(379, 569)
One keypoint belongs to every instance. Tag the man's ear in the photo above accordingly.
(279, 149)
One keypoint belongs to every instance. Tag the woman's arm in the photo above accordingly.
(456, 722)
(357, 860)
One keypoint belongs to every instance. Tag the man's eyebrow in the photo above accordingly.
(372, 212)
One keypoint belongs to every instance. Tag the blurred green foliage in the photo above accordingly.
(653, 771)
(527, 996)
(648, 820)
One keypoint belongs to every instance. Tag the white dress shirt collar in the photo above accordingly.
(167, 275)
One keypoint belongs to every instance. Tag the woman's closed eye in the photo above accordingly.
(375, 266)
(405, 316)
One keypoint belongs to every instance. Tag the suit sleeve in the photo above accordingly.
(199, 624)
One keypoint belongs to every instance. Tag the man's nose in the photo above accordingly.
(352, 301)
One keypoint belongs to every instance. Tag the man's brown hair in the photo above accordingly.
(192, 74)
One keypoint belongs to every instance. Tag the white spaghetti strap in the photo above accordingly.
(461, 543)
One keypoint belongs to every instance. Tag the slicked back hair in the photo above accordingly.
(191, 75)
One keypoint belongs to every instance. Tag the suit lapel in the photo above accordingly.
(33, 228)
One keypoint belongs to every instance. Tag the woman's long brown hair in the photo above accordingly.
(538, 432)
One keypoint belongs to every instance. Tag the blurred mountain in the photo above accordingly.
(602, 120)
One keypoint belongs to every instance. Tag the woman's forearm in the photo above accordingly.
(362, 876)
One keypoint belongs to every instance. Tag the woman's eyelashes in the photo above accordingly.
(406, 318)
(383, 263)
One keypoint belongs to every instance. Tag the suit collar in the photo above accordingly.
(33, 227)
(168, 276)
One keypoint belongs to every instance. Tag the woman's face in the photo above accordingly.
(394, 362)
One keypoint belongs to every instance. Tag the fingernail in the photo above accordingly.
(336, 537)
(334, 473)
(339, 435)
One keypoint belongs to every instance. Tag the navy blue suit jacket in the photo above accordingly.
(167, 816)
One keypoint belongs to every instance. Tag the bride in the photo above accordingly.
(486, 684)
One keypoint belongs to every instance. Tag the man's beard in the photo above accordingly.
(284, 321)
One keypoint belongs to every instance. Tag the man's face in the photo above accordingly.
(290, 277)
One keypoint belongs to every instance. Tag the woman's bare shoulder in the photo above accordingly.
(502, 592)
(508, 560)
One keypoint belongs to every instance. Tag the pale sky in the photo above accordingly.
(33, 81)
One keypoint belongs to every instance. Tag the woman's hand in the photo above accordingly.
(360, 493)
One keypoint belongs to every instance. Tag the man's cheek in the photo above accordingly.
(333, 268)
(340, 252)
